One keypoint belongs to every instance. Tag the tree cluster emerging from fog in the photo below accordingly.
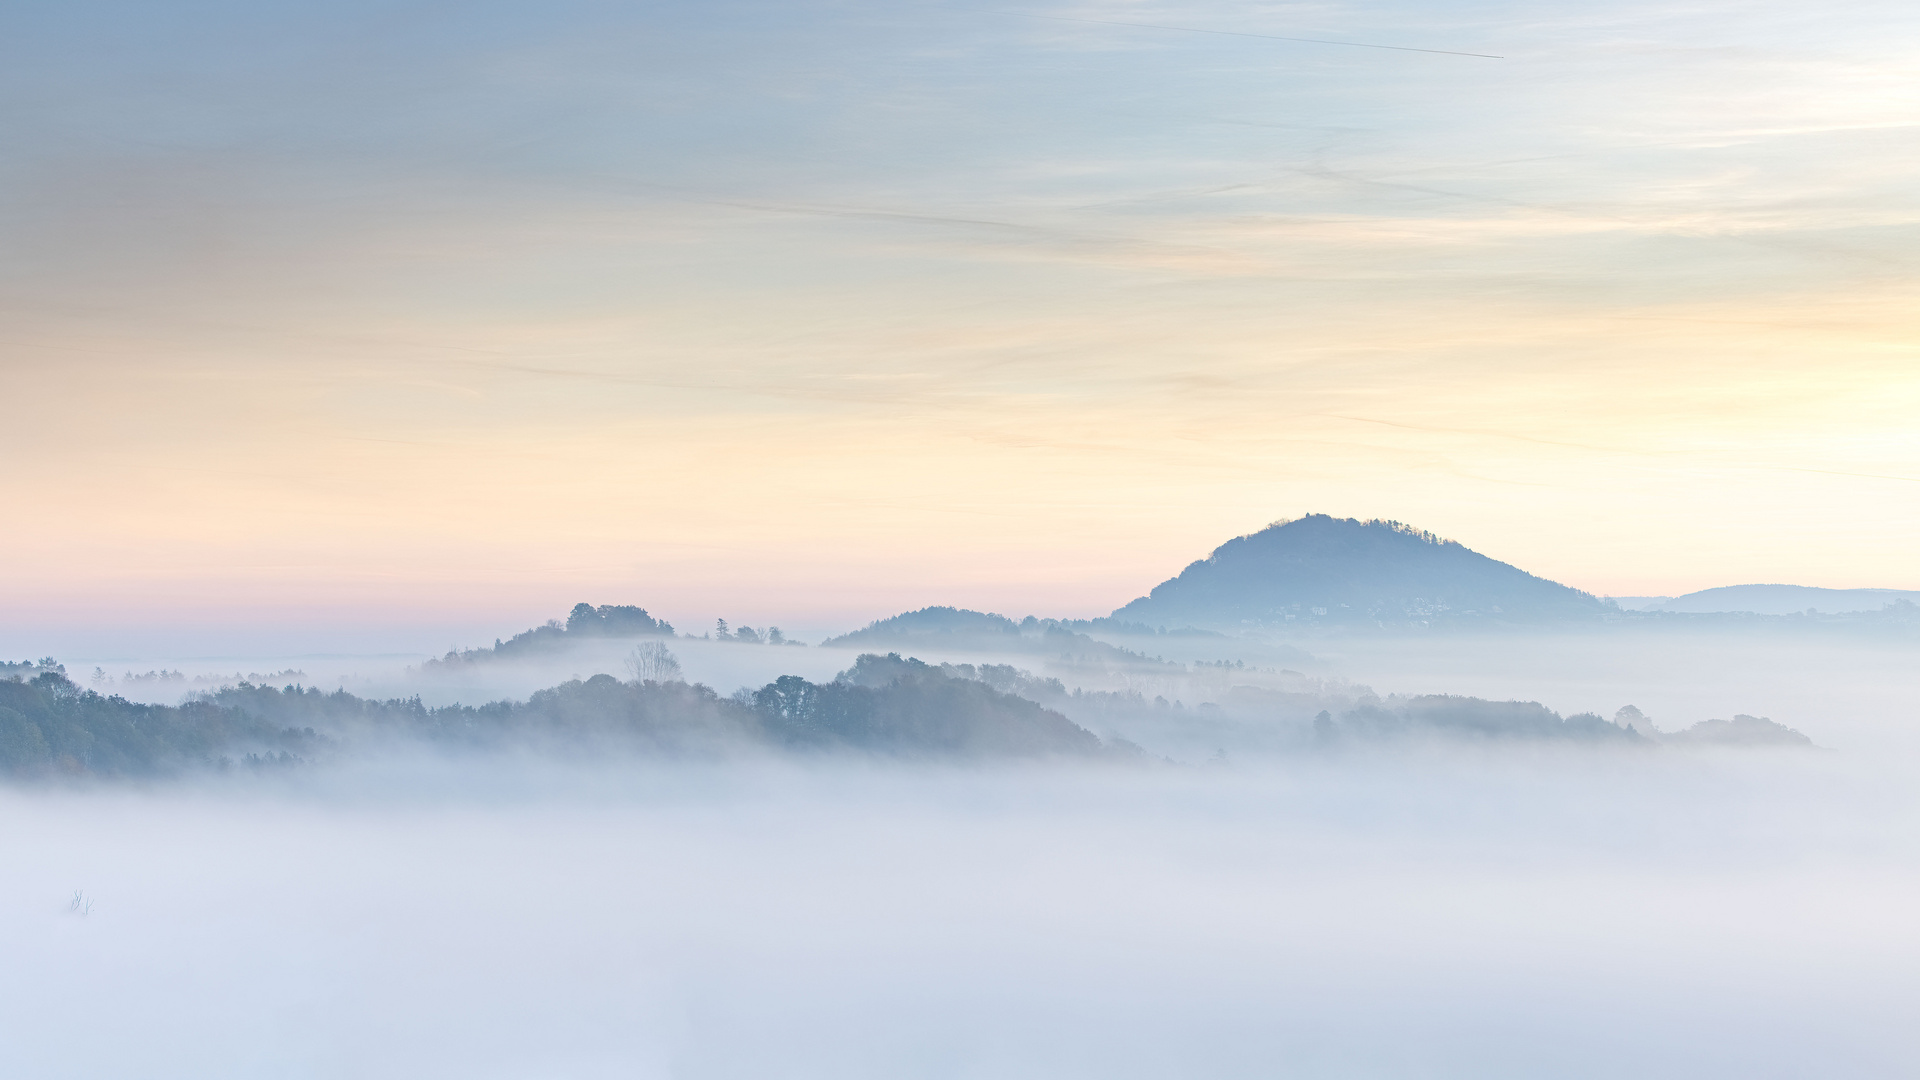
(588, 623)
(584, 622)
(747, 635)
(884, 704)
(49, 725)
(895, 705)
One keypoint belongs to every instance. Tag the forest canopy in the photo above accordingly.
(884, 704)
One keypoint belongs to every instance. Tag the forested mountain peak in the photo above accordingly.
(1325, 570)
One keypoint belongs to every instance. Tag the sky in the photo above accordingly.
(405, 314)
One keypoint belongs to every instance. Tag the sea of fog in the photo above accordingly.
(1854, 692)
(1480, 915)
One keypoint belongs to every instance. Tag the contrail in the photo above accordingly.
(1238, 33)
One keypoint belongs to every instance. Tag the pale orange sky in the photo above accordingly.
(869, 310)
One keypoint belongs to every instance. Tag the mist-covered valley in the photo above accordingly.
(1033, 692)
(1018, 863)
(739, 540)
(1440, 913)
(952, 843)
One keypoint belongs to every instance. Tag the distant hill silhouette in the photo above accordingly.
(1342, 571)
(584, 621)
(1781, 600)
(947, 625)
(959, 628)
(1740, 731)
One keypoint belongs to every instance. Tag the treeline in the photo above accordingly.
(883, 704)
(895, 705)
(1444, 715)
(1321, 717)
(583, 622)
(50, 726)
(959, 628)
(747, 635)
(870, 669)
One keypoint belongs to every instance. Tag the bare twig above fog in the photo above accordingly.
(652, 661)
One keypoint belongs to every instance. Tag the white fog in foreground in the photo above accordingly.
(1577, 915)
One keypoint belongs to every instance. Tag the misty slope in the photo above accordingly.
(947, 625)
(1740, 731)
(968, 631)
(1431, 715)
(1320, 570)
(1313, 715)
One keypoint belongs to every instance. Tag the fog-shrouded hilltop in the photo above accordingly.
(963, 630)
(587, 623)
(1321, 570)
(966, 627)
(584, 622)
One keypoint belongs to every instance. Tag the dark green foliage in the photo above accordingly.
(872, 670)
(49, 725)
(671, 716)
(597, 714)
(22, 744)
(895, 706)
(883, 704)
(614, 620)
(305, 706)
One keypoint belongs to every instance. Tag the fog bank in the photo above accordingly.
(1471, 915)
